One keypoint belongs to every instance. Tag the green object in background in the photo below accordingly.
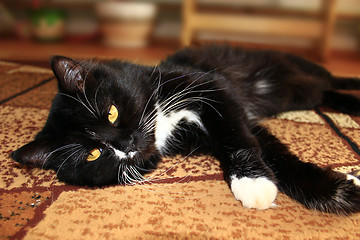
(48, 24)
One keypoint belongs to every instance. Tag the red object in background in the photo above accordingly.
(36, 4)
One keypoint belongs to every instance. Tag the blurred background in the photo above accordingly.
(148, 30)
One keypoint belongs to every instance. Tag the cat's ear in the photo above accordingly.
(69, 73)
(34, 153)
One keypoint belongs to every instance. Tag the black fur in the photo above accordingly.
(229, 89)
(316, 188)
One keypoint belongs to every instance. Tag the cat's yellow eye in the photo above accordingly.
(113, 114)
(94, 154)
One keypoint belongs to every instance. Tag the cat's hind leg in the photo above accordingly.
(317, 188)
(342, 102)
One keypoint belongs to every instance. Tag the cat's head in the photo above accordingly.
(99, 128)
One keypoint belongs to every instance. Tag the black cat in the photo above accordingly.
(112, 121)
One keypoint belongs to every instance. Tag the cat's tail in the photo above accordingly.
(317, 188)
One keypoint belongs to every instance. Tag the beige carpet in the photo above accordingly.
(186, 199)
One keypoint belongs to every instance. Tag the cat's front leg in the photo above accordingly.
(251, 181)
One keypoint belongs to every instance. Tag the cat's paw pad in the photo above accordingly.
(259, 193)
(355, 180)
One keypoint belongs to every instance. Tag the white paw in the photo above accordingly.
(258, 193)
(356, 181)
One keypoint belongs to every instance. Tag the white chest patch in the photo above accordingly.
(166, 124)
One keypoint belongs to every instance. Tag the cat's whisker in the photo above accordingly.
(174, 96)
(143, 169)
(187, 91)
(86, 98)
(184, 179)
(131, 176)
(124, 176)
(194, 84)
(84, 85)
(168, 105)
(155, 93)
(89, 105)
(140, 179)
(119, 175)
(172, 104)
(180, 104)
(149, 124)
(95, 109)
(95, 98)
(79, 101)
(66, 159)
(206, 101)
(142, 119)
(178, 77)
(154, 183)
(68, 146)
(137, 177)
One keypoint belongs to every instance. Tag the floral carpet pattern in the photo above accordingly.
(185, 198)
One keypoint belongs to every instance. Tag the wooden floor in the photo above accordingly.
(39, 53)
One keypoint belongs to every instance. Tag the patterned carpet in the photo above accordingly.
(186, 199)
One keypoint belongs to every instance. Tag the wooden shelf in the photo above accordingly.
(318, 28)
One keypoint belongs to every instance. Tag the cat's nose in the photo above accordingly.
(132, 145)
